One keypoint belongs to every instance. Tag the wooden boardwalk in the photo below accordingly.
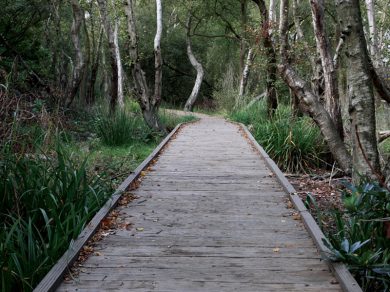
(209, 216)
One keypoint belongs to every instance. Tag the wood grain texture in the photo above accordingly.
(54, 277)
(346, 280)
(207, 220)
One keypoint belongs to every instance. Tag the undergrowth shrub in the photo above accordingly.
(45, 203)
(226, 94)
(122, 128)
(294, 144)
(360, 237)
(171, 120)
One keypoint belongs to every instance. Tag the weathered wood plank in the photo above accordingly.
(54, 277)
(210, 216)
(347, 282)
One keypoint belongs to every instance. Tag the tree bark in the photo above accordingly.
(78, 69)
(243, 4)
(272, 101)
(272, 15)
(308, 99)
(360, 92)
(94, 71)
(331, 94)
(157, 55)
(199, 71)
(113, 56)
(121, 101)
(246, 73)
(149, 104)
(373, 43)
(297, 21)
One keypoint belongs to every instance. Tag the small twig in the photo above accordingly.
(331, 173)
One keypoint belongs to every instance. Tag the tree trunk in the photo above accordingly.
(360, 91)
(156, 99)
(308, 99)
(78, 69)
(272, 14)
(373, 43)
(94, 71)
(297, 21)
(121, 102)
(246, 73)
(199, 71)
(148, 104)
(243, 33)
(113, 56)
(332, 103)
(272, 102)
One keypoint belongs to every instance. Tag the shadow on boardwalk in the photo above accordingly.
(209, 216)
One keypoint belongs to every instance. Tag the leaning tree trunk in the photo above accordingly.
(308, 99)
(332, 103)
(272, 101)
(199, 71)
(360, 91)
(149, 104)
(79, 64)
(113, 56)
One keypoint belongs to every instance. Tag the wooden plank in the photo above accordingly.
(347, 281)
(204, 222)
(54, 277)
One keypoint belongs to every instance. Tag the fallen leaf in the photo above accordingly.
(98, 254)
(277, 249)
(140, 229)
(296, 216)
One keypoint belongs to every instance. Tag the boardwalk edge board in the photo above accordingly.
(341, 272)
(55, 276)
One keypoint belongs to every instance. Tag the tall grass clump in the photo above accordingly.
(294, 144)
(122, 128)
(170, 120)
(45, 201)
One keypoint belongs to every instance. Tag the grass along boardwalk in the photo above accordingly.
(210, 216)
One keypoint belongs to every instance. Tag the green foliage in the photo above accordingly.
(45, 203)
(121, 128)
(359, 239)
(294, 144)
(171, 120)
(227, 92)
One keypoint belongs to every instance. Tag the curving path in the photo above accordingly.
(209, 216)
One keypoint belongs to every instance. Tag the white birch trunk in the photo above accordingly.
(373, 43)
(246, 73)
(157, 55)
(121, 102)
(199, 71)
(271, 11)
